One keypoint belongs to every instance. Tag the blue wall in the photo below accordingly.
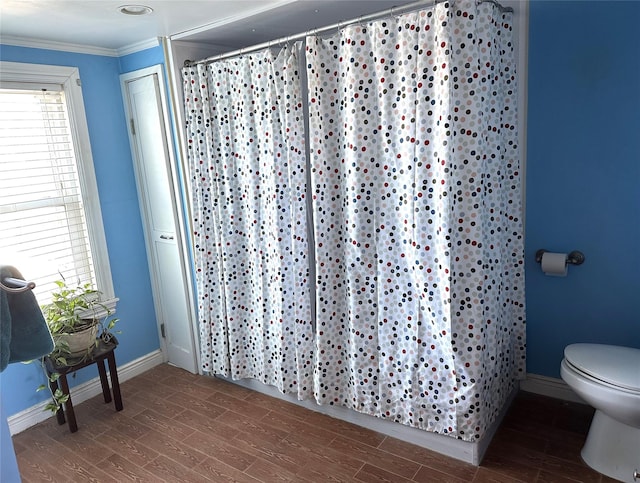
(142, 59)
(583, 176)
(120, 211)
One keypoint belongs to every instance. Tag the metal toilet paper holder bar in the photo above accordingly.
(574, 258)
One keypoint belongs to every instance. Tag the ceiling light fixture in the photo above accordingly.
(135, 9)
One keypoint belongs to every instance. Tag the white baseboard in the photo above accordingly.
(36, 414)
(455, 448)
(549, 386)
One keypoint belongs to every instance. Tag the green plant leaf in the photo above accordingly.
(53, 407)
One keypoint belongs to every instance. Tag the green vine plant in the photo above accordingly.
(73, 308)
(58, 398)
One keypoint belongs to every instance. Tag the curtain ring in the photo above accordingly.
(395, 13)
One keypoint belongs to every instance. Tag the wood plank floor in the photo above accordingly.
(179, 427)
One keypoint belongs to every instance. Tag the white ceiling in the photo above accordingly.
(228, 24)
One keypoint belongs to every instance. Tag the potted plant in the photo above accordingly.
(77, 320)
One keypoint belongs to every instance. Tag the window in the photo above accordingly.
(50, 221)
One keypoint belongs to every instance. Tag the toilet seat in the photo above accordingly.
(612, 365)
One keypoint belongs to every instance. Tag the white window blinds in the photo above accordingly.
(42, 217)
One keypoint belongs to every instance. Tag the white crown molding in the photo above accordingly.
(138, 46)
(79, 49)
(51, 45)
(36, 414)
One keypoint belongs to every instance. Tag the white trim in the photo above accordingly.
(176, 202)
(521, 11)
(549, 386)
(89, 185)
(176, 103)
(79, 48)
(154, 70)
(36, 73)
(138, 46)
(36, 414)
(69, 78)
(61, 46)
(180, 175)
(455, 448)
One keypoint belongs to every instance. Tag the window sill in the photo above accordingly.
(104, 309)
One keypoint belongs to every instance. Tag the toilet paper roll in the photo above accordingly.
(554, 264)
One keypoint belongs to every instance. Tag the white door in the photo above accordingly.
(152, 151)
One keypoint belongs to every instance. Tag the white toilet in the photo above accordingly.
(607, 377)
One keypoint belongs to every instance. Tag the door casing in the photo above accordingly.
(164, 224)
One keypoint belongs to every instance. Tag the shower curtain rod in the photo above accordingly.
(283, 40)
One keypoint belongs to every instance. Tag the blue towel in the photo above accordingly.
(24, 334)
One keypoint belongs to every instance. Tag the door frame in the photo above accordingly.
(178, 204)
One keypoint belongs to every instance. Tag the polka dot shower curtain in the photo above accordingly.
(246, 152)
(417, 217)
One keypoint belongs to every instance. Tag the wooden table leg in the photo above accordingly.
(68, 406)
(60, 412)
(115, 384)
(106, 393)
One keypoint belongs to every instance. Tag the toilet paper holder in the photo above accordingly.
(574, 258)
